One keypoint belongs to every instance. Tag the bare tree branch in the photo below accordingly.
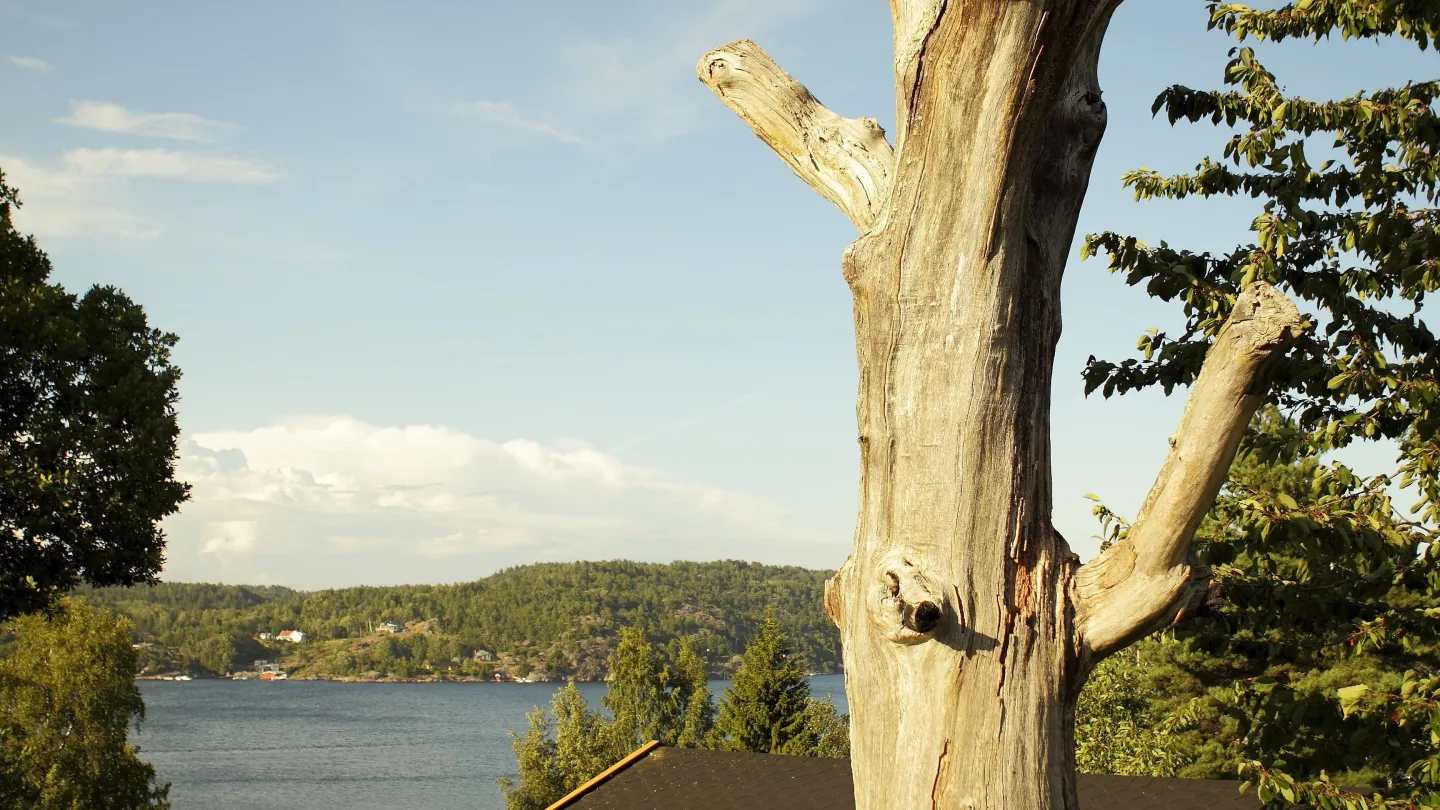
(847, 160)
(1148, 580)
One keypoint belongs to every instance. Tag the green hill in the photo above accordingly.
(547, 620)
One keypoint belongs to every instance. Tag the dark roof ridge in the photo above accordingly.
(599, 778)
(657, 777)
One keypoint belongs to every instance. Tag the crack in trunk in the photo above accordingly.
(939, 772)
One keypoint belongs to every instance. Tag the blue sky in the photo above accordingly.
(467, 285)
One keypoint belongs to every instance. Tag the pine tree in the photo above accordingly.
(647, 700)
(764, 709)
(638, 698)
(691, 695)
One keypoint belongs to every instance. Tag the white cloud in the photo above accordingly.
(167, 163)
(84, 195)
(33, 63)
(230, 537)
(67, 203)
(338, 501)
(87, 221)
(502, 113)
(115, 118)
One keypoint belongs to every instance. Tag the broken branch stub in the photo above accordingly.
(846, 160)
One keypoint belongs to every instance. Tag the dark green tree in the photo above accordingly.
(1320, 662)
(764, 708)
(67, 701)
(1297, 547)
(87, 432)
(691, 697)
(638, 697)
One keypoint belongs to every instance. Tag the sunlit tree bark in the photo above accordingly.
(968, 624)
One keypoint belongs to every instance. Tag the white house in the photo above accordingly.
(484, 655)
(389, 627)
(291, 635)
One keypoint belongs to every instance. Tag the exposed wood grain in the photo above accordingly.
(964, 615)
(1143, 582)
(846, 160)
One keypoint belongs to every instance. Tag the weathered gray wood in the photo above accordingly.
(968, 625)
(1140, 584)
(847, 160)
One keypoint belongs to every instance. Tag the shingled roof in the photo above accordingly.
(656, 777)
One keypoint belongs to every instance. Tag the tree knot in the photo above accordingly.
(904, 602)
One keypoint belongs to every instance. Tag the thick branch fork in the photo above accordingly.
(846, 160)
(1148, 580)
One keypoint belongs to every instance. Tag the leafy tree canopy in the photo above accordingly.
(67, 700)
(87, 432)
(1320, 664)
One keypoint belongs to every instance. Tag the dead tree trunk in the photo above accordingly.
(968, 625)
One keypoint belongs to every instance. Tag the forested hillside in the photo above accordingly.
(547, 620)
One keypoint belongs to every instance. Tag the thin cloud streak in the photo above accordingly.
(105, 117)
(31, 63)
(66, 203)
(167, 163)
(503, 113)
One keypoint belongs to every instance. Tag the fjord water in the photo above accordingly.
(315, 745)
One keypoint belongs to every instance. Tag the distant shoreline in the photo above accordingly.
(353, 680)
(171, 678)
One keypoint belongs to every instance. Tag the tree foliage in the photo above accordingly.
(1119, 728)
(653, 697)
(764, 708)
(67, 701)
(1263, 677)
(692, 696)
(562, 749)
(562, 619)
(1319, 669)
(87, 432)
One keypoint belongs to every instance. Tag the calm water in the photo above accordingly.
(306, 745)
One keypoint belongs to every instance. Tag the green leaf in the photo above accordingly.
(1350, 697)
